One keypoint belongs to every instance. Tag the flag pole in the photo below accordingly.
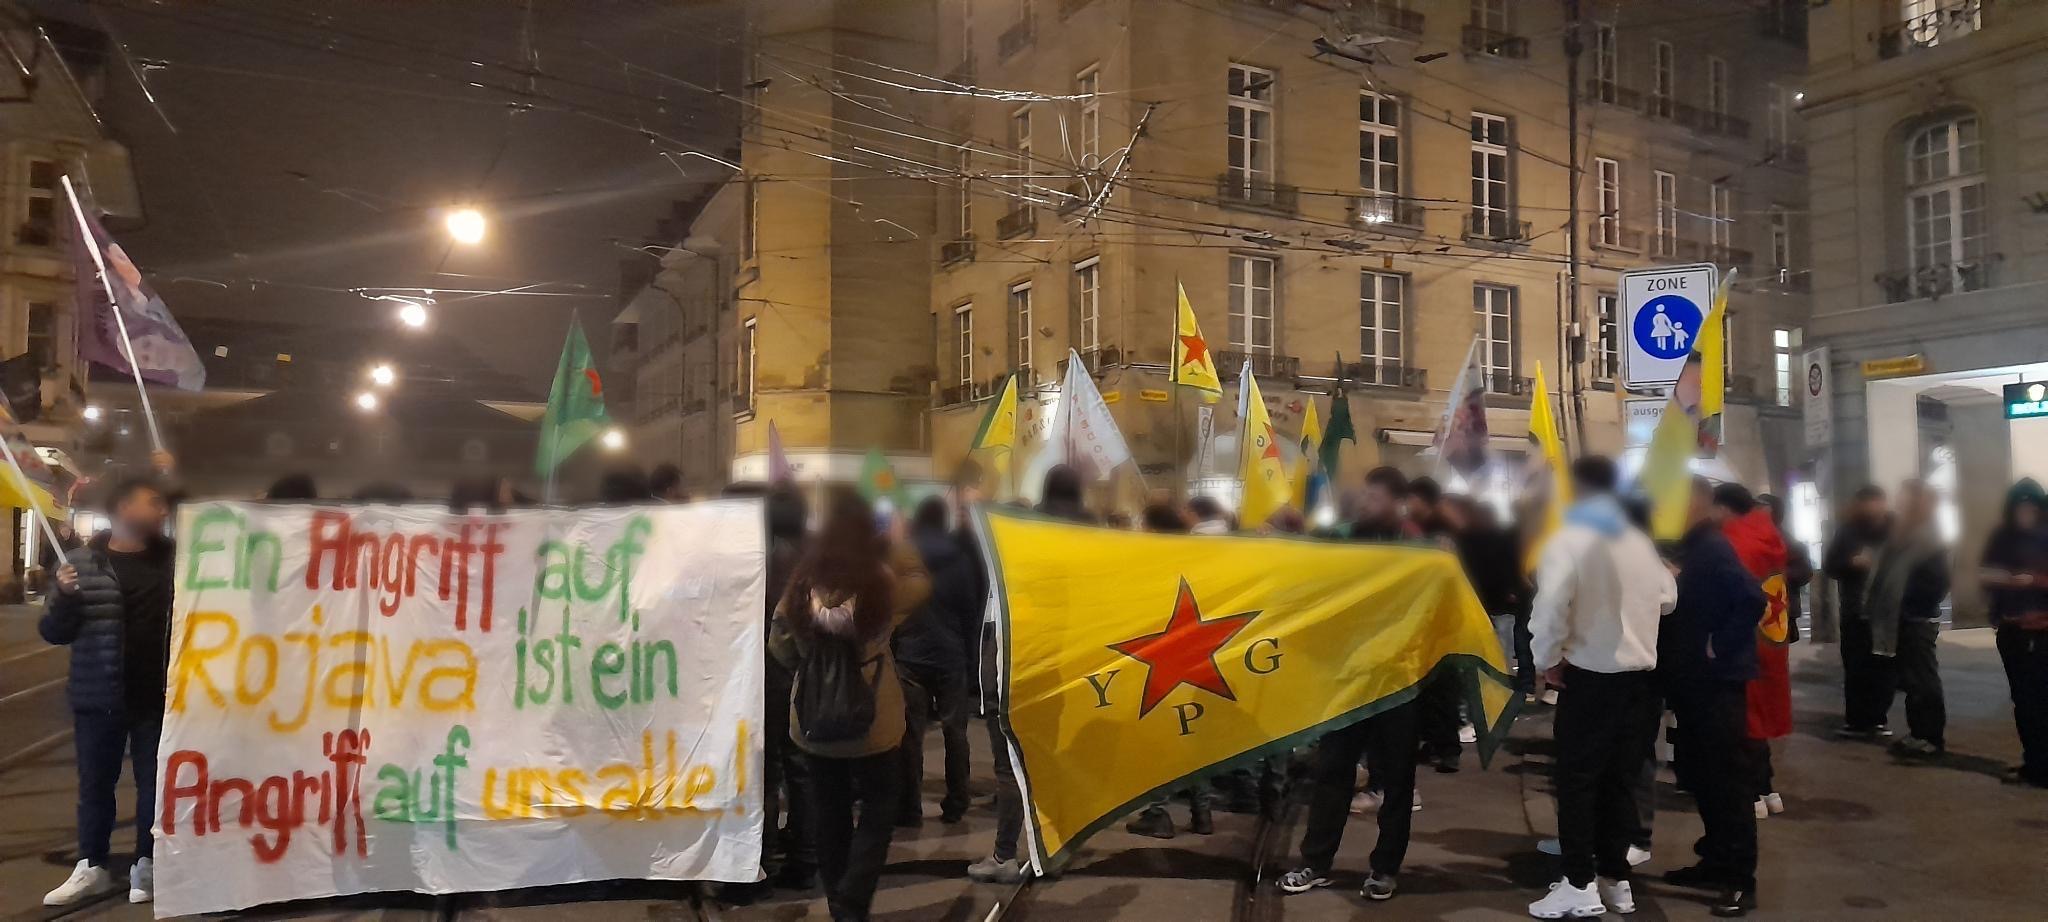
(1180, 451)
(28, 493)
(92, 246)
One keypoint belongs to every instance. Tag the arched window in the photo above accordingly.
(1945, 219)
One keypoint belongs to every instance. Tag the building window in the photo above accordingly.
(1250, 127)
(964, 192)
(1945, 221)
(1020, 327)
(751, 222)
(1379, 144)
(1020, 146)
(1664, 81)
(1781, 238)
(1495, 307)
(1251, 303)
(1927, 23)
(1717, 86)
(1607, 352)
(42, 333)
(1088, 305)
(1380, 326)
(1720, 219)
(963, 347)
(1777, 118)
(1491, 15)
(39, 225)
(1666, 243)
(750, 352)
(1783, 341)
(1087, 85)
(1609, 181)
(1492, 198)
(1606, 63)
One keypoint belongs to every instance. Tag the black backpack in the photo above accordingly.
(835, 691)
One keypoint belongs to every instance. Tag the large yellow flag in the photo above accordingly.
(1133, 663)
(1311, 445)
(1260, 469)
(1690, 426)
(1550, 448)
(1193, 366)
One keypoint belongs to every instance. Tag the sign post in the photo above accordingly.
(1818, 408)
(1662, 309)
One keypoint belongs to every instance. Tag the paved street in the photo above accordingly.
(1864, 838)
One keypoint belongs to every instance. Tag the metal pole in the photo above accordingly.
(1575, 332)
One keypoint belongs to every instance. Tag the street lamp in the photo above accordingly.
(92, 412)
(613, 440)
(466, 225)
(382, 374)
(366, 401)
(413, 314)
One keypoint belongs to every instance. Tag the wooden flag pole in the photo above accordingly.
(99, 262)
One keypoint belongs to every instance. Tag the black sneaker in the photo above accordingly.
(1201, 821)
(1378, 887)
(1698, 876)
(1913, 747)
(1733, 903)
(1302, 880)
(1152, 822)
(1853, 732)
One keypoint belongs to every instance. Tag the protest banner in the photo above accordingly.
(371, 698)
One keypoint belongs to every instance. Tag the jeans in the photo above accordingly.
(1713, 721)
(955, 710)
(918, 701)
(2025, 655)
(1868, 680)
(1606, 728)
(1389, 737)
(850, 854)
(1920, 678)
(101, 739)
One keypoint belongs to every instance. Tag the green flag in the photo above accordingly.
(575, 405)
(878, 479)
(1339, 430)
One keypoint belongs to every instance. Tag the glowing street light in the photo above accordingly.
(466, 225)
(413, 314)
(613, 440)
(366, 401)
(92, 413)
(382, 374)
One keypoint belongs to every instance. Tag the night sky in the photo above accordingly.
(317, 144)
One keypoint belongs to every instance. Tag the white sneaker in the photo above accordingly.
(1416, 805)
(1618, 896)
(1775, 803)
(1565, 901)
(1637, 857)
(87, 880)
(1763, 810)
(142, 881)
(1468, 734)
(1549, 697)
(1367, 802)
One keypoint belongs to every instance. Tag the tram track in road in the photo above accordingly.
(1253, 900)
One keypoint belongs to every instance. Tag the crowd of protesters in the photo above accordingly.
(876, 619)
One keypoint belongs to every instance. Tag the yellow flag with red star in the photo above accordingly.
(1260, 468)
(1134, 664)
(1193, 366)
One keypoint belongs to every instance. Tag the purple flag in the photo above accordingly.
(161, 348)
(779, 471)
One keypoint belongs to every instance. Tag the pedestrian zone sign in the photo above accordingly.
(1662, 310)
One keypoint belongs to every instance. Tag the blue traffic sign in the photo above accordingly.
(1666, 326)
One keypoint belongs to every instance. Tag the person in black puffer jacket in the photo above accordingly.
(113, 608)
(931, 650)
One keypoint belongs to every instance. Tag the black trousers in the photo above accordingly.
(1009, 797)
(1606, 728)
(785, 797)
(1713, 721)
(2025, 655)
(1920, 679)
(1757, 776)
(918, 702)
(1439, 706)
(1389, 738)
(1869, 681)
(102, 738)
(850, 853)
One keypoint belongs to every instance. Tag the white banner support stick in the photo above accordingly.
(92, 246)
(28, 493)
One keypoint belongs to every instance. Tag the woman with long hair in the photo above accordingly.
(832, 628)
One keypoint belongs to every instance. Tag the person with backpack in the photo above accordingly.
(832, 629)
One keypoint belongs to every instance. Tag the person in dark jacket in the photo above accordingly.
(1867, 680)
(786, 792)
(931, 652)
(113, 607)
(2015, 577)
(1908, 581)
(1706, 656)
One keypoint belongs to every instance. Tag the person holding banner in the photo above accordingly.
(113, 608)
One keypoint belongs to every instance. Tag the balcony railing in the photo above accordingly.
(1786, 153)
(1495, 227)
(1482, 40)
(1374, 209)
(1230, 364)
(957, 251)
(1614, 237)
(1097, 360)
(968, 392)
(1934, 281)
(1947, 22)
(1614, 94)
(1389, 15)
(1501, 384)
(1072, 198)
(1382, 373)
(1019, 222)
(1016, 38)
(1252, 192)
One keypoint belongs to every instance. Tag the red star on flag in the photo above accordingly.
(1272, 446)
(1197, 350)
(1184, 653)
(596, 385)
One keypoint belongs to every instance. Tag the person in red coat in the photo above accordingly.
(1748, 527)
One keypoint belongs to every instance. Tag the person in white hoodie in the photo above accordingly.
(1600, 590)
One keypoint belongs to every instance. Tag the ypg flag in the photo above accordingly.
(1193, 366)
(1261, 470)
(1132, 662)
